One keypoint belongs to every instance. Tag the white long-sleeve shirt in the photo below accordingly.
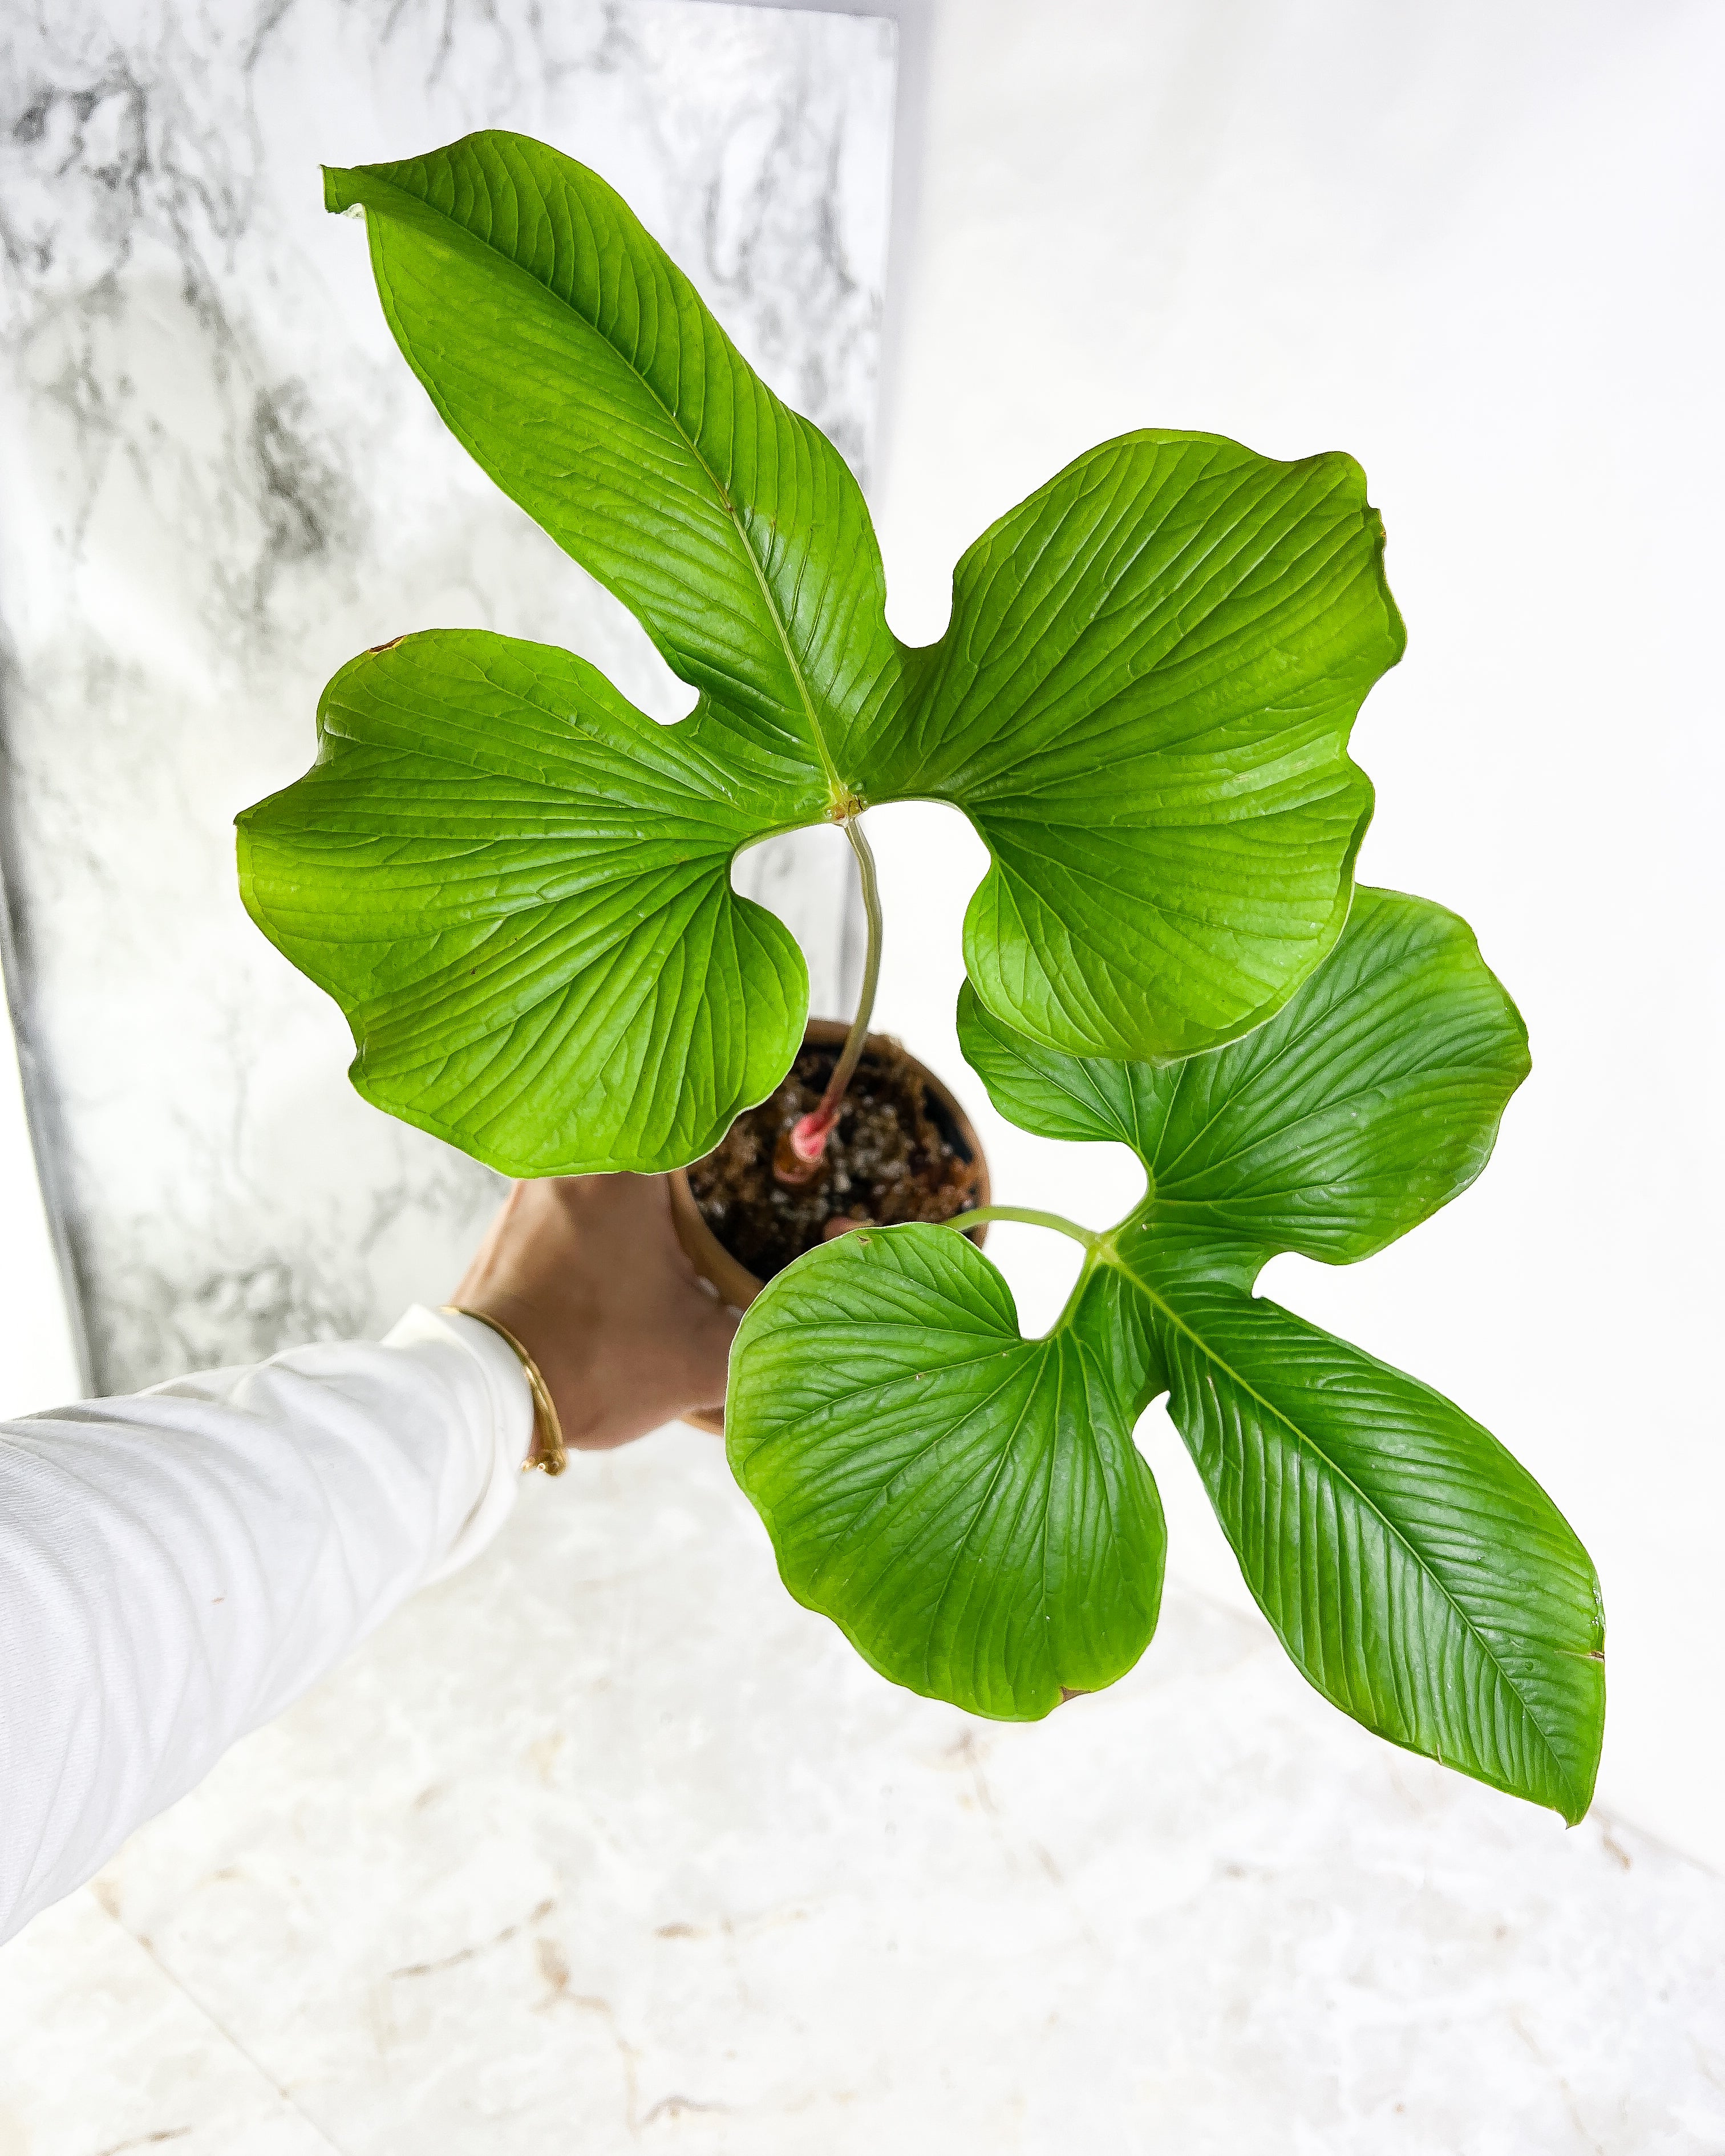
(176, 1567)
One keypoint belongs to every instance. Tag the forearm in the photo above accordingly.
(180, 1565)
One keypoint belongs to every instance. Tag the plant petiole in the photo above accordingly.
(1031, 1217)
(801, 1148)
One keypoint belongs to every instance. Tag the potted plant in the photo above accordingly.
(517, 887)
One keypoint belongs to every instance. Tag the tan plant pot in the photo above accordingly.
(735, 1284)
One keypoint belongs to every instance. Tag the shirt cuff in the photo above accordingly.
(486, 1371)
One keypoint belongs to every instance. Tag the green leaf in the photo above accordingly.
(966, 1504)
(1059, 1095)
(548, 875)
(1418, 1577)
(1143, 701)
(578, 366)
(1370, 1100)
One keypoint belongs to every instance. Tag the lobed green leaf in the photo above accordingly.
(1143, 702)
(549, 882)
(966, 1504)
(1371, 1099)
(1418, 1576)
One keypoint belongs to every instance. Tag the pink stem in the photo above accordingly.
(810, 1133)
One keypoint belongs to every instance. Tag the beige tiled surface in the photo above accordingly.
(606, 1845)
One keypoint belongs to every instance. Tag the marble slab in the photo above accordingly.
(606, 1845)
(222, 482)
(103, 2052)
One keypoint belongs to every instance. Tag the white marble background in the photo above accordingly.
(223, 481)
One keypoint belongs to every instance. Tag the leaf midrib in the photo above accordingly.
(1394, 1533)
(722, 491)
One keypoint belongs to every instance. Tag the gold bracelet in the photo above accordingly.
(549, 1454)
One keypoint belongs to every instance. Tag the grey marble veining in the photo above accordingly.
(222, 480)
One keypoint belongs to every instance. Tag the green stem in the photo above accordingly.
(808, 1135)
(1031, 1217)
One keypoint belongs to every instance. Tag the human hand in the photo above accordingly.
(586, 1272)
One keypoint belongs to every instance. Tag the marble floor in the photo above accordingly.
(605, 1845)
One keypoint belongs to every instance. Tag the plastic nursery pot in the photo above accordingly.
(733, 1281)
